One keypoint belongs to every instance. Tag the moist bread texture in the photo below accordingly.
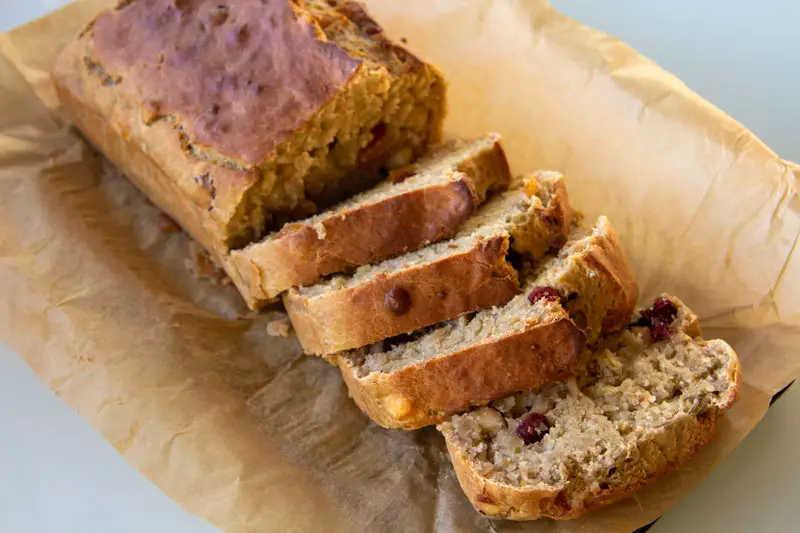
(471, 271)
(416, 205)
(638, 409)
(236, 117)
(436, 372)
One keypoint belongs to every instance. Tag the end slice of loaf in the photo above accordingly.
(526, 343)
(639, 409)
(471, 271)
(417, 205)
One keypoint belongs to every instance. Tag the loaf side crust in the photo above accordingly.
(427, 393)
(302, 255)
(441, 290)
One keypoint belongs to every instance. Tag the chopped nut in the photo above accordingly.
(489, 419)
(400, 158)
(398, 406)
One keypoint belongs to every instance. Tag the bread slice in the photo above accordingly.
(495, 352)
(417, 205)
(471, 271)
(643, 405)
(236, 117)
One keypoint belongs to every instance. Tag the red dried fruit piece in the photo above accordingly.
(543, 292)
(533, 428)
(659, 317)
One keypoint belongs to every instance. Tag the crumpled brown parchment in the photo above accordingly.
(238, 426)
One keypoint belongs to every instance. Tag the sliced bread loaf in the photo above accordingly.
(530, 341)
(419, 204)
(646, 400)
(471, 271)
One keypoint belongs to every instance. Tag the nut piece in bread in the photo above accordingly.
(638, 409)
(418, 204)
(495, 352)
(471, 271)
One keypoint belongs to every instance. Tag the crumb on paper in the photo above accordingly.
(279, 327)
(202, 266)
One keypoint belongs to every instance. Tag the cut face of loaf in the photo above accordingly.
(530, 341)
(471, 271)
(237, 117)
(639, 408)
(418, 204)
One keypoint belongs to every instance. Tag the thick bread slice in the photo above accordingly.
(495, 352)
(437, 283)
(419, 204)
(639, 409)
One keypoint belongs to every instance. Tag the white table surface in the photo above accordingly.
(58, 475)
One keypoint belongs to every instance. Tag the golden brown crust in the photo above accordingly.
(302, 255)
(437, 291)
(425, 394)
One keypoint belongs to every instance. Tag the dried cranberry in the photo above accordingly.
(548, 293)
(398, 301)
(659, 317)
(533, 428)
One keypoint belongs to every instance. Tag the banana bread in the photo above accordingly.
(530, 341)
(236, 117)
(418, 204)
(471, 271)
(646, 400)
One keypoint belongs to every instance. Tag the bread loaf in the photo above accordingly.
(236, 117)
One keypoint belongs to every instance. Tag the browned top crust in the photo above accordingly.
(208, 65)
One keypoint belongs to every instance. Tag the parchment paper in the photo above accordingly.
(239, 427)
